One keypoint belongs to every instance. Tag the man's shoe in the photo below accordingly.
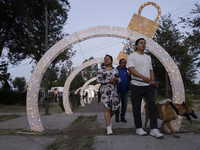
(117, 119)
(141, 132)
(109, 130)
(123, 120)
(156, 133)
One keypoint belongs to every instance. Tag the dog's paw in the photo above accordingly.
(176, 136)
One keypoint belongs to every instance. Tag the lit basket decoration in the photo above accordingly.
(122, 54)
(144, 25)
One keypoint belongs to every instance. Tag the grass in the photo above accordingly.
(87, 143)
(53, 108)
(59, 142)
(9, 131)
(194, 127)
(79, 135)
(78, 120)
(8, 117)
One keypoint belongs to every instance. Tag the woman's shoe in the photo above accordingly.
(109, 130)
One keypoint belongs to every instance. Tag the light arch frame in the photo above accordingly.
(93, 32)
(83, 88)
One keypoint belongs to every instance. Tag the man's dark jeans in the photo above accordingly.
(137, 92)
(123, 98)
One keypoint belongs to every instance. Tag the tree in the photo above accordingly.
(170, 38)
(22, 28)
(90, 71)
(3, 71)
(129, 45)
(193, 38)
(77, 82)
(64, 73)
(20, 82)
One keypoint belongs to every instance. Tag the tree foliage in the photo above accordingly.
(171, 39)
(20, 82)
(64, 73)
(22, 27)
(3, 71)
(193, 38)
(77, 82)
(90, 71)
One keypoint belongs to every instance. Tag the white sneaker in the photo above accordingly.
(156, 133)
(109, 130)
(140, 131)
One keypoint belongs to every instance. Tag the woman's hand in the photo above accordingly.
(113, 80)
(116, 80)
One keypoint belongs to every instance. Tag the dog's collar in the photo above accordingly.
(175, 109)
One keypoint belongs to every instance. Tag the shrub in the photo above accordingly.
(189, 100)
(61, 104)
(9, 97)
(74, 100)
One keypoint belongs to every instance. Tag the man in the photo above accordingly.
(123, 89)
(142, 75)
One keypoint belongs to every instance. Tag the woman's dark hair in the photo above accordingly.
(109, 56)
(136, 42)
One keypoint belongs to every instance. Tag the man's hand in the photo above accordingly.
(153, 83)
(146, 80)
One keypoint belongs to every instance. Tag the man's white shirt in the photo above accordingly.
(142, 64)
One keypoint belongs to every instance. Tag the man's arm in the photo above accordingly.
(152, 77)
(137, 74)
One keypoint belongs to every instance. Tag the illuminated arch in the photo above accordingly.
(83, 88)
(77, 90)
(100, 31)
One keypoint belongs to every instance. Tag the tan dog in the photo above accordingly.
(166, 113)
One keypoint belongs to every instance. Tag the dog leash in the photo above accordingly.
(170, 103)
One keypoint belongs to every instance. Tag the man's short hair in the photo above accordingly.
(136, 42)
(121, 60)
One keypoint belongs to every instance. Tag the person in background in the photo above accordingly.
(86, 96)
(123, 90)
(108, 77)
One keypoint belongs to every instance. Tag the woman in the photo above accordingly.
(108, 76)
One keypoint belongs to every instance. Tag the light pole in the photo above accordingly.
(46, 74)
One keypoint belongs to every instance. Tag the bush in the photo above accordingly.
(61, 104)
(189, 100)
(9, 97)
(74, 99)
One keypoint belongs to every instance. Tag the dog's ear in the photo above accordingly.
(183, 103)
